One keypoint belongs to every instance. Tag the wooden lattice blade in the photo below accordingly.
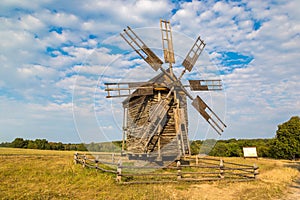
(141, 48)
(167, 42)
(207, 113)
(205, 85)
(125, 89)
(193, 54)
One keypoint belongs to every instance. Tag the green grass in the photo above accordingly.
(42, 174)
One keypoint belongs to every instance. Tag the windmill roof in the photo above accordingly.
(159, 80)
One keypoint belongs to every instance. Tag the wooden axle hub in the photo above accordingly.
(161, 89)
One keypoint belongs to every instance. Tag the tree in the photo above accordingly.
(220, 149)
(41, 143)
(31, 145)
(286, 144)
(19, 143)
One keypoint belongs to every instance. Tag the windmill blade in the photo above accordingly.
(178, 85)
(141, 48)
(166, 34)
(210, 117)
(193, 54)
(205, 85)
(145, 52)
(125, 89)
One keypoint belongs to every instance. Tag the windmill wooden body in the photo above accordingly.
(155, 122)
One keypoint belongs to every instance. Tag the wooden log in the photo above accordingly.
(151, 174)
(200, 179)
(148, 182)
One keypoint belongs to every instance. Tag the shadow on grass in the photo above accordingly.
(294, 165)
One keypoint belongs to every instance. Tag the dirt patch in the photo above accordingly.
(293, 191)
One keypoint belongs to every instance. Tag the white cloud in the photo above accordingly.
(28, 120)
(264, 94)
(48, 46)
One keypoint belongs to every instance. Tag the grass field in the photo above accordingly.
(42, 174)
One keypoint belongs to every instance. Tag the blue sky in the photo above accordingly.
(56, 55)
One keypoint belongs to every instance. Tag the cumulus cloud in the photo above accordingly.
(51, 50)
(260, 93)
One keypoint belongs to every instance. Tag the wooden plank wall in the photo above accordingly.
(138, 114)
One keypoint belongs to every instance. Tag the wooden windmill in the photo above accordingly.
(155, 122)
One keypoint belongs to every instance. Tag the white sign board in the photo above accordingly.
(250, 152)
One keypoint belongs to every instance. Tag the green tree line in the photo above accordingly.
(233, 147)
(285, 145)
(43, 144)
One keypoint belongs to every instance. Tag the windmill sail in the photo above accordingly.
(205, 85)
(167, 42)
(141, 48)
(193, 54)
(208, 115)
(124, 89)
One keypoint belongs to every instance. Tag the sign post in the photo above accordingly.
(250, 152)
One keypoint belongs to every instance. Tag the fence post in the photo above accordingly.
(179, 175)
(113, 158)
(197, 160)
(119, 171)
(221, 169)
(84, 161)
(75, 158)
(255, 172)
(96, 161)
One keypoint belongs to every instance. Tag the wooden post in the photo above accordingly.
(113, 158)
(197, 160)
(96, 161)
(159, 96)
(119, 171)
(221, 175)
(84, 161)
(178, 129)
(255, 172)
(179, 175)
(159, 158)
(75, 158)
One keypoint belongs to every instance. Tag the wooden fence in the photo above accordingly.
(192, 169)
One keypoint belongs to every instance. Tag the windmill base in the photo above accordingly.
(153, 158)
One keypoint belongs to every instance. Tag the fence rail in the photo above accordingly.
(198, 170)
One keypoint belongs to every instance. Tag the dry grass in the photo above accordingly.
(40, 174)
